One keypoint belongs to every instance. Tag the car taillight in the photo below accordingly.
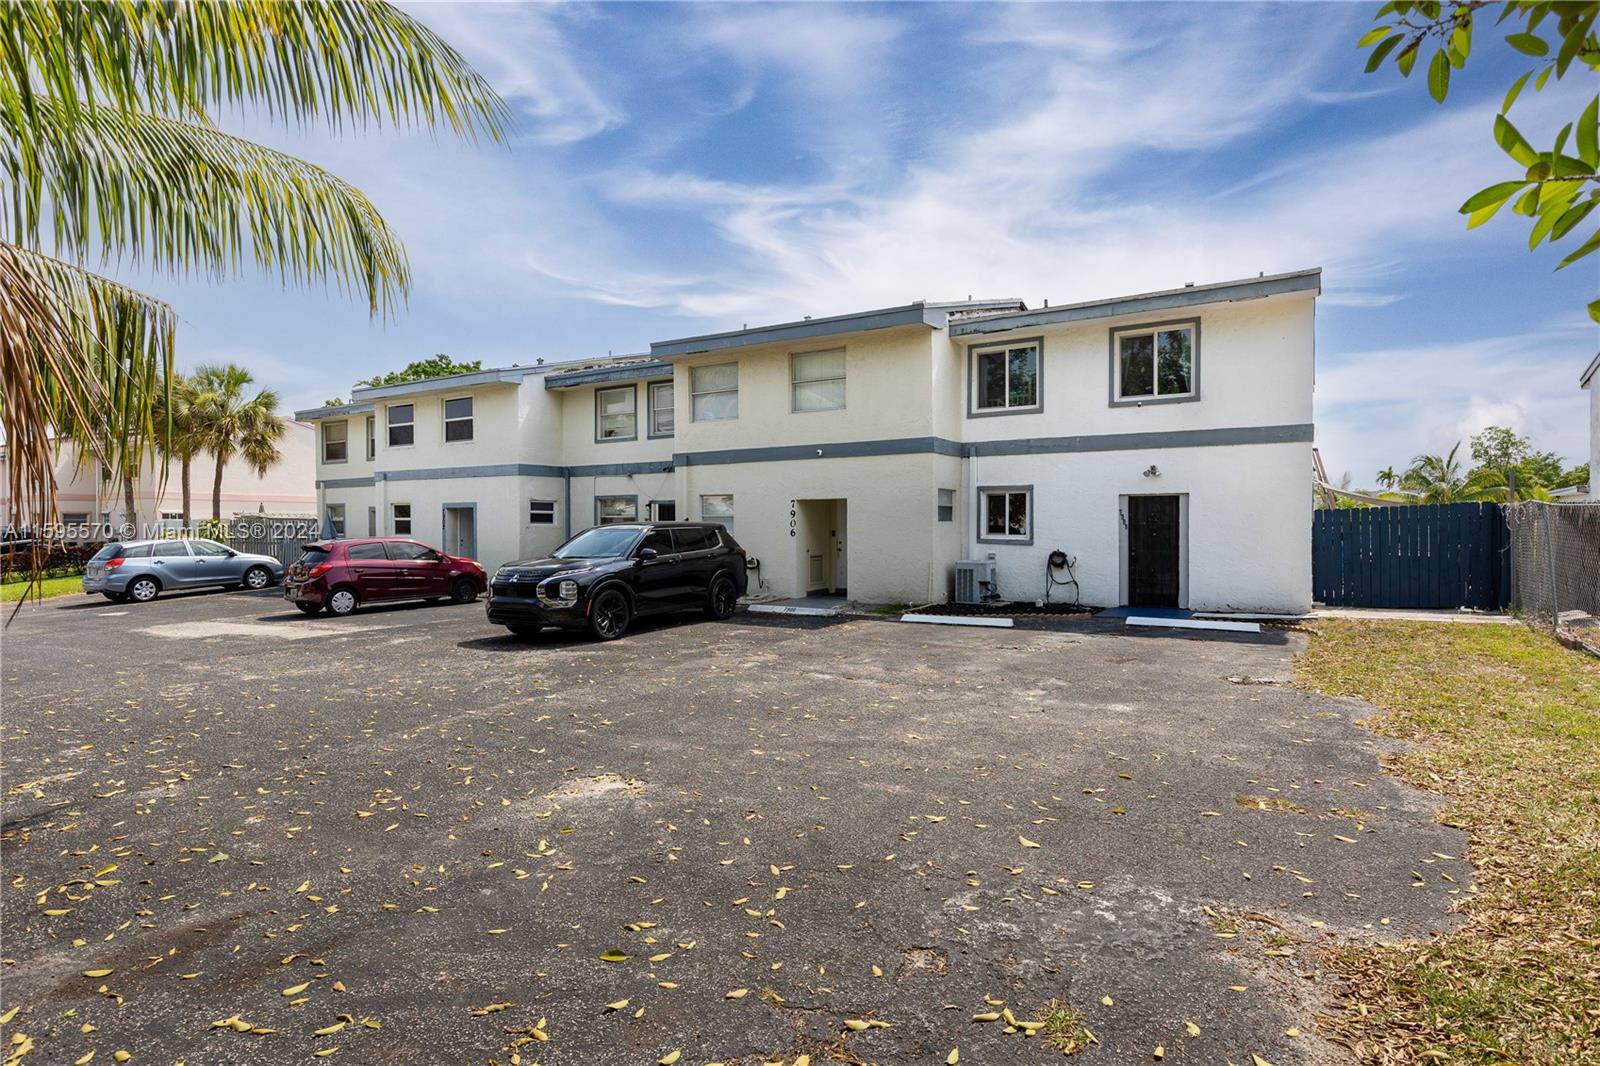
(112, 564)
(319, 570)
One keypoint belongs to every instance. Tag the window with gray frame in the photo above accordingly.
(542, 512)
(718, 507)
(400, 519)
(1005, 513)
(458, 419)
(402, 425)
(372, 438)
(609, 510)
(616, 414)
(714, 392)
(336, 520)
(372, 517)
(1005, 379)
(946, 507)
(1156, 362)
(335, 442)
(661, 411)
(817, 381)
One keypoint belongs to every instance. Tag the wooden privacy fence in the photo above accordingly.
(1437, 555)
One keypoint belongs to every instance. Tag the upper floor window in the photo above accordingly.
(661, 412)
(372, 438)
(1154, 363)
(458, 419)
(335, 442)
(1005, 380)
(402, 425)
(715, 392)
(616, 414)
(817, 381)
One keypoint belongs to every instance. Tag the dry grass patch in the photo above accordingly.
(1063, 1029)
(1507, 726)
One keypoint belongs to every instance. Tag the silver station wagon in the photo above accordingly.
(141, 570)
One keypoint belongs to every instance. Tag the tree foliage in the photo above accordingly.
(440, 366)
(1556, 189)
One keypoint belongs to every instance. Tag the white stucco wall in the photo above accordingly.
(1594, 437)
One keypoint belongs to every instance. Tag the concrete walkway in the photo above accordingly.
(1386, 614)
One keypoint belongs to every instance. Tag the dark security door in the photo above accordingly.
(1152, 551)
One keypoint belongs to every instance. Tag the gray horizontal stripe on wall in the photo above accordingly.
(843, 450)
(346, 483)
(495, 470)
(1121, 442)
(618, 469)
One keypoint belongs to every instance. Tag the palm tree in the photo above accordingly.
(110, 155)
(227, 422)
(1388, 478)
(179, 436)
(1439, 479)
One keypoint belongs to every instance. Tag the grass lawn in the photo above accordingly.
(1507, 726)
(12, 591)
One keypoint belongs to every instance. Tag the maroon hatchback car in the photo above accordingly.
(341, 575)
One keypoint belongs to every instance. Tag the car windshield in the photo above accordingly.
(602, 542)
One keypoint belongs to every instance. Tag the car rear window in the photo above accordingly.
(694, 538)
(314, 555)
(110, 551)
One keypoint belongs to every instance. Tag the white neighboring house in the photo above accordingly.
(1161, 440)
(1590, 382)
(92, 500)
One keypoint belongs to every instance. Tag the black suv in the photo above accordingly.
(604, 577)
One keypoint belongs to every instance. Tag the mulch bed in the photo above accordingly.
(1007, 610)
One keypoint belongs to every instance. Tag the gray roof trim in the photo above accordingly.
(1588, 375)
(501, 375)
(1145, 303)
(596, 375)
(346, 483)
(884, 318)
(336, 411)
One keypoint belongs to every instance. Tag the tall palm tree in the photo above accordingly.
(179, 438)
(109, 155)
(1388, 478)
(1439, 479)
(229, 422)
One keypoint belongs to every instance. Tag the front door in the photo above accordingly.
(1153, 551)
(461, 531)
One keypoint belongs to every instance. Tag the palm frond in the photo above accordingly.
(362, 61)
(187, 197)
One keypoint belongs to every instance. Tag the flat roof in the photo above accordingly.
(1165, 300)
(631, 370)
(333, 411)
(933, 315)
(495, 375)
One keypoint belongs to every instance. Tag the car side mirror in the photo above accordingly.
(232, 554)
(646, 554)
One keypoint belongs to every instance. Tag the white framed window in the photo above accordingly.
(335, 442)
(372, 438)
(714, 392)
(1005, 378)
(661, 410)
(336, 520)
(542, 512)
(718, 507)
(1005, 514)
(616, 413)
(402, 425)
(75, 518)
(945, 505)
(609, 510)
(458, 419)
(1156, 363)
(400, 519)
(816, 381)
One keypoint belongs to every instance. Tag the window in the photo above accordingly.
(400, 519)
(166, 549)
(372, 512)
(458, 419)
(372, 438)
(137, 551)
(411, 552)
(714, 392)
(366, 551)
(75, 518)
(616, 415)
(718, 508)
(169, 516)
(663, 510)
(817, 381)
(1006, 514)
(609, 510)
(1151, 363)
(336, 520)
(694, 538)
(661, 412)
(660, 540)
(1006, 380)
(335, 442)
(402, 425)
(208, 549)
(542, 512)
(946, 507)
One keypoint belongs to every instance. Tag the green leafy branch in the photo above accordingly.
(1557, 190)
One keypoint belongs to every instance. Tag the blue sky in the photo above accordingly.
(684, 168)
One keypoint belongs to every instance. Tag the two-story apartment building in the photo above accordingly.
(1162, 441)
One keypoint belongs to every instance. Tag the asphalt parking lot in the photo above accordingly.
(236, 835)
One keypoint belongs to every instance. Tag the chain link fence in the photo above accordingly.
(1555, 566)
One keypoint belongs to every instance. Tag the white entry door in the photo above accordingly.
(461, 531)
